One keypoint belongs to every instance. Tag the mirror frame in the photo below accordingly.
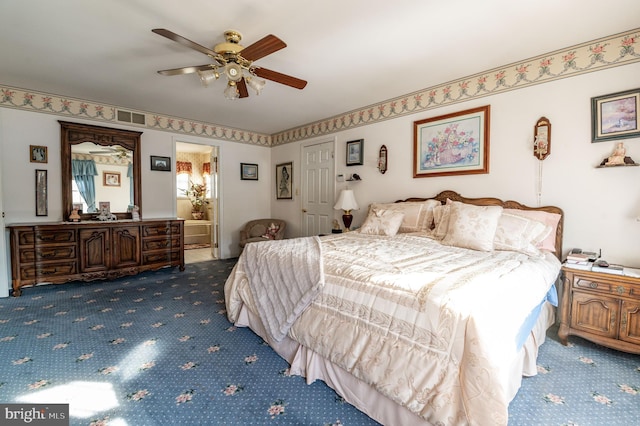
(76, 133)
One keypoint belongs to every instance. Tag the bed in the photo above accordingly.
(430, 313)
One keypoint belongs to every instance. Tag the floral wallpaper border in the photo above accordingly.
(607, 52)
(592, 56)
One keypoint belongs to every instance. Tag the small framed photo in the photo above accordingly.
(38, 154)
(284, 178)
(42, 197)
(248, 171)
(104, 206)
(77, 206)
(355, 152)
(111, 178)
(615, 116)
(162, 164)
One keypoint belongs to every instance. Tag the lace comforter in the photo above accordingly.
(431, 327)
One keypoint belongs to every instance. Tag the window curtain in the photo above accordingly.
(130, 176)
(183, 167)
(206, 169)
(83, 172)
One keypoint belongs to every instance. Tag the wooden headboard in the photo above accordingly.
(489, 201)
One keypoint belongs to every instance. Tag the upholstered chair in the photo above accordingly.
(262, 230)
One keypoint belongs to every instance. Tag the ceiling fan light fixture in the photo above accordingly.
(208, 76)
(231, 92)
(255, 84)
(233, 71)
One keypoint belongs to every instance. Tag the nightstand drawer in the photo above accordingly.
(617, 288)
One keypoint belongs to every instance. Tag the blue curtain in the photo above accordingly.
(83, 172)
(130, 176)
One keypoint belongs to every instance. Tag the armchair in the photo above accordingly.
(262, 230)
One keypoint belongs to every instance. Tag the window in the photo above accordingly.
(76, 197)
(182, 184)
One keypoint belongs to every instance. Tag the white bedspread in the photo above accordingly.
(429, 326)
(286, 276)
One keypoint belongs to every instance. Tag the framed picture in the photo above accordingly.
(111, 178)
(248, 171)
(162, 164)
(284, 178)
(104, 206)
(355, 151)
(38, 154)
(452, 144)
(42, 197)
(615, 116)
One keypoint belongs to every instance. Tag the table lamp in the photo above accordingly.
(346, 202)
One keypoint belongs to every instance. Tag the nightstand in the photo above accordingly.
(600, 307)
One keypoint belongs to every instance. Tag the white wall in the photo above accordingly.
(600, 205)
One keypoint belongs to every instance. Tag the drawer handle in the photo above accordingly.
(50, 238)
(620, 289)
(593, 285)
(50, 254)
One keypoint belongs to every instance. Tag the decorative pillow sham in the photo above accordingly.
(441, 220)
(550, 219)
(418, 215)
(518, 233)
(472, 226)
(382, 222)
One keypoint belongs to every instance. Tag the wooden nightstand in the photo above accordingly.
(600, 307)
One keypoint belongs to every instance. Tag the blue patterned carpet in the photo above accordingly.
(157, 349)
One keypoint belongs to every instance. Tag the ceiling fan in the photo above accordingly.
(235, 61)
(116, 151)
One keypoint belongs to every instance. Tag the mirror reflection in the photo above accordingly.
(101, 174)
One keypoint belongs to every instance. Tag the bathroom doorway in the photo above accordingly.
(197, 198)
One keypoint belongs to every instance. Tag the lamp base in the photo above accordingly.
(347, 219)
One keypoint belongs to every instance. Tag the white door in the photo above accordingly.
(317, 188)
(215, 203)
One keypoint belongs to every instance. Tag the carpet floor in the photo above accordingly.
(157, 349)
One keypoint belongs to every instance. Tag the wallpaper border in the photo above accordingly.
(596, 55)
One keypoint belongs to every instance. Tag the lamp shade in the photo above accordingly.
(346, 201)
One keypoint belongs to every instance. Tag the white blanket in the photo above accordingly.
(285, 277)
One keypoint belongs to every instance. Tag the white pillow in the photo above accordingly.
(518, 233)
(382, 222)
(472, 226)
(418, 215)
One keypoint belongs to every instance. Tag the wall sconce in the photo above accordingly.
(347, 202)
(382, 159)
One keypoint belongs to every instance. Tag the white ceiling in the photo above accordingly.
(353, 53)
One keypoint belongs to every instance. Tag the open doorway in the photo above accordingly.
(197, 198)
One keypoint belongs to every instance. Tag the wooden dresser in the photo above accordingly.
(86, 251)
(600, 307)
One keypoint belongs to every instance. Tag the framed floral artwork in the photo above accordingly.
(452, 144)
(615, 116)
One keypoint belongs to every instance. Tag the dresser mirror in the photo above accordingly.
(100, 165)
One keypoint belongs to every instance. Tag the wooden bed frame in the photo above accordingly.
(510, 204)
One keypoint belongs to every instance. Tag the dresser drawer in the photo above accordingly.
(44, 253)
(619, 288)
(160, 257)
(43, 271)
(149, 244)
(47, 236)
(160, 229)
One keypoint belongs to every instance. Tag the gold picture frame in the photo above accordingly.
(111, 178)
(38, 154)
(452, 144)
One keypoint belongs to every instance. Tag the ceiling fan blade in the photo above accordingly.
(186, 70)
(242, 88)
(263, 47)
(184, 41)
(279, 77)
